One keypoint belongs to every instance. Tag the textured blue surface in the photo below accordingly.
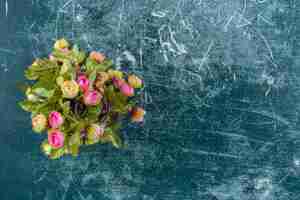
(222, 98)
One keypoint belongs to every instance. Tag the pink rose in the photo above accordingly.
(83, 82)
(92, 98)
(55, 119)
(118, 82)
(56, 139)
(127, 90)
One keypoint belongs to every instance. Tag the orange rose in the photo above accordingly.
(98, 57)
(137, 114)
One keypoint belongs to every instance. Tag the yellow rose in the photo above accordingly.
(39, 123)
(135, 81)
(61, 44)
(115, 73)
(70, 89)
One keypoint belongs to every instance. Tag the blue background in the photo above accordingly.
(222, 97)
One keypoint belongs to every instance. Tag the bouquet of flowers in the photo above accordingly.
(79, 99)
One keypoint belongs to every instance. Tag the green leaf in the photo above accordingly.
(41, 67)
(93, 112)
(113, 137)
(92, 78)
(118, 100)
(22, 87)
(93, 65)
(74, 150)
(31, 75)
(79, 56)
(91, 141)
(75, 139)
(47, 81)
(75, 55)
(65, 106)
(28, 106)
(106, 64)
(66, 66)
(57, 153)
(42, 92)
(74, 143)
(120, 103)
(90, 65)
(116, 140)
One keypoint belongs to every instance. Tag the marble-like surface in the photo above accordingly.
(222, 95)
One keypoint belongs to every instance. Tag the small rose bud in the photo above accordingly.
(127, 90)
(137, 114)
(35, 63)
(39, 123)
(135, 81)
(92, 98)
(52, 58)
(55, 119)
(46, 148)
(70, 89)
(61, 44)
(83, 82)
(94, 132)
(56, 139)
(98, 57)
(115, 74)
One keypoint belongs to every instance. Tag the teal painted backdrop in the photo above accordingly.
(222, 98)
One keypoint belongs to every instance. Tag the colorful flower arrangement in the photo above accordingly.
(79, 99)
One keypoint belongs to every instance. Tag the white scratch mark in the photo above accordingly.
(6, 8)
(128, 55)
(41, 178)
(148, 98)
(159, 14)
(243, 22)
(66, 4)
(267, 114)
(7, 51)
(265, 20)
(206, 55)
(261, 1)
(141, 56)
(200, 152)
(199, 2)
(244, 8)
(266, 43)
(150, 39)
(284, 178)
(180, 47)
(234, 135)
(228, 22)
